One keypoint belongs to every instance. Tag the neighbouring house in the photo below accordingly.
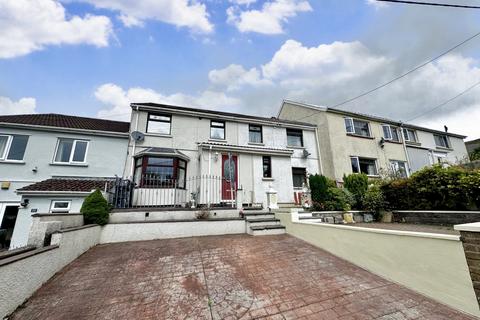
(472, 145)
(351, 142)
(180, 156)
(37, 147)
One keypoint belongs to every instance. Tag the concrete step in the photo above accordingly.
(266, 230)
(258, 215)
(262, 222)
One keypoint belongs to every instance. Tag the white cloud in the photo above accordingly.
(181, 13)
(234, 77)
(377, 4)
(117, 100)
(269, 19)
(22, 106)
(243, 2)
(31, 25)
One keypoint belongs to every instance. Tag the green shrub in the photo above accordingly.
(357, 184)
(95, 209)
(374, 200)
(336, 199)
(319, 185)
(475, 154)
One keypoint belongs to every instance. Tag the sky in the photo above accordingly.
(94, 57)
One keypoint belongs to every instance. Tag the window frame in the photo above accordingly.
(8, 145)
(408, 137)
(304, 175)
(357, 158)
(223, 126)
(162, 121)
(269, 168)
(72, 152)
(354, 132)
(299, 133)
(391, 129)
(175, 168)
(394, 166)
(60, 210)
(445, 138)
(260, 131)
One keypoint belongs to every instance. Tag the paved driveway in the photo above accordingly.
(222, 277)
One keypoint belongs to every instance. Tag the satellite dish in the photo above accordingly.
(306, 153)
(137, 136)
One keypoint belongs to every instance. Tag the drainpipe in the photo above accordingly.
(209, 177)
(405, 150)
(132, 165)
(318, 151)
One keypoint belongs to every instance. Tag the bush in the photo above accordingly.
(95, 209)
(319, 187)
(475, 154)
(435, 188)
(327, 197)
(357, 184)
(374, 200)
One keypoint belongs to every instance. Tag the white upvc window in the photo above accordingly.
(60, 206)
(349, 125)
(357, 127)
(364, 165)
(71, 151)
(12, 147)
(399, 168)
(390, 133)
(409, 135)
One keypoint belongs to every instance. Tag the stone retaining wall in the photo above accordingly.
(443, 218)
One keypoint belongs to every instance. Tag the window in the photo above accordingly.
(255, 134)
(399, 168)
(158, 123)
(390, 133)
(364, 165)
(217, 130)
(267, 167)
(294, 138)
(358, 127)
(60, 206)
(12, 147)
(71, 151)
(410, 135)
(441, 141)
(160, 172)
(299, 177)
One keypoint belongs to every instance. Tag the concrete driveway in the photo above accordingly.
(222, 277)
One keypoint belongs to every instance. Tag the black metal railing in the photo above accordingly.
(155, 191)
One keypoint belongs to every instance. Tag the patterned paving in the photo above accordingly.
(223, 277)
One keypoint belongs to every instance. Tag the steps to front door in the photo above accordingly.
(260, 223)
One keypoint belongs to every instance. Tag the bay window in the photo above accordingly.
(160, 172)
(12, 147)
(71, 151)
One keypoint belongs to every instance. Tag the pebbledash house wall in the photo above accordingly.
(336, 146)
(189, 130)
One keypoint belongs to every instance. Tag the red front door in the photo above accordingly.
(229, 176)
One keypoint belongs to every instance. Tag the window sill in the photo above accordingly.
(413, 143)
(217, 140)
(360, 136)
(296, 147)
(160, 135)
(69, 164)
(268, 179)
(393, 141)
(12, 162)
(257, 143)
(443, 148)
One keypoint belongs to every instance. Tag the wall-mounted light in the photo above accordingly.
(25, 203)
(35, 169)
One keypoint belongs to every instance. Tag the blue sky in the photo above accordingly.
(237, 55)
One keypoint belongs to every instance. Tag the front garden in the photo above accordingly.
(434, 188)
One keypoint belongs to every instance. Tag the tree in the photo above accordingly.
(95, 209)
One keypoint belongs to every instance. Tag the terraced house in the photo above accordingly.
(50, 162)
(351, 142)
(183, 156)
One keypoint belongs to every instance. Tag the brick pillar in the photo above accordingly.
(470, 236)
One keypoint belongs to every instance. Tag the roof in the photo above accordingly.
(154, 151)
(67, 185)
(220, 113)
(372, 117)
(66, 121)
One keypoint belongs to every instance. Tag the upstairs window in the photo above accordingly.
(217, 130)
(390, 133)
(410, 135)
(267, 167)
(255, 134)
(71, 151)
(441, 141)
(294, 138)
(357, 127)
(364, 165)
(158, 123)
(12, 147)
